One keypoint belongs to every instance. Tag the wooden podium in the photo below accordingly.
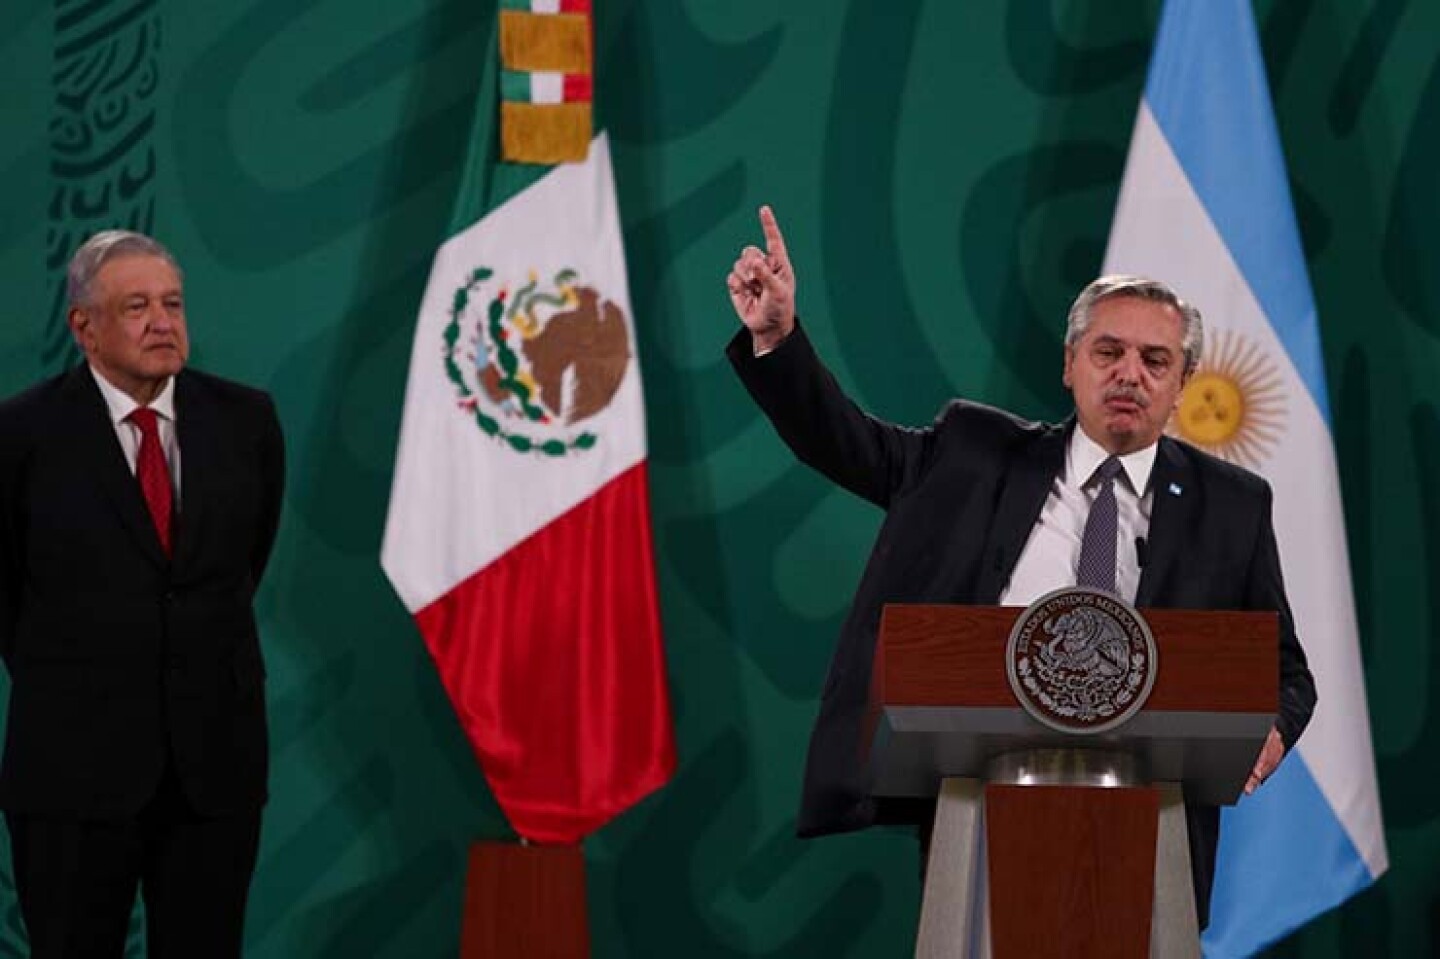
(1056, 844)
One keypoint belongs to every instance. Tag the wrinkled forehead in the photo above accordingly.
(1137, 322)
(138, 273)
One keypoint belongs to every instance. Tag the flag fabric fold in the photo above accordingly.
(1205, 206)
(518, 534)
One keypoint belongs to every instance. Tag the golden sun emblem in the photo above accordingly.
(1234, 404)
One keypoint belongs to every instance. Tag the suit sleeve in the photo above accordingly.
(1267, 591)
(822, 426)
(272, 484)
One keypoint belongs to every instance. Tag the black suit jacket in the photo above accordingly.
(119, 657)
(961, 497)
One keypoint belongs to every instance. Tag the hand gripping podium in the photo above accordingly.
(1051, 843)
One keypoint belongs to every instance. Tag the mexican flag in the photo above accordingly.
(518, 534)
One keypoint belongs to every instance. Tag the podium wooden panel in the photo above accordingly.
(1072, 870)
(1044, 842)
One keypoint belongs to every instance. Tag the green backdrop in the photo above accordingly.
(946, 173)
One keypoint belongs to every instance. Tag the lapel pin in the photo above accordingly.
(1175, 489)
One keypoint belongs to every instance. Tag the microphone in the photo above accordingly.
(1142, 551)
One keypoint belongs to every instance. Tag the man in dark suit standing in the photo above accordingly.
(984, 507)
(140, 501)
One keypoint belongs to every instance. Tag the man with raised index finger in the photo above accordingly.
(985, 507)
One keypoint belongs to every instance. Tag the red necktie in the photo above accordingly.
(153, 473)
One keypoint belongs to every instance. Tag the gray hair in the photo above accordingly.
(1192, 339)
(100, 249)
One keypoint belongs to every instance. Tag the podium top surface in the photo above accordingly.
(941, 703)
(933, 655)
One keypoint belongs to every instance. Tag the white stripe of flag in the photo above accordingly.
(547, 86)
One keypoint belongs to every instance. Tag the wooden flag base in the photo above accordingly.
(525, 901)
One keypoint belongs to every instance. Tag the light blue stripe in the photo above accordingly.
(1208, 93)
(1285, 858)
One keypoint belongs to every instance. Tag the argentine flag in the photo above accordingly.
(1205, 207)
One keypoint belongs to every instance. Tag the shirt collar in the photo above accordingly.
(121, 404)
(1085, 456)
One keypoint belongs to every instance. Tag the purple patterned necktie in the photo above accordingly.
(1097, 549)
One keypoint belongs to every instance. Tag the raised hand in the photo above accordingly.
(762, 288)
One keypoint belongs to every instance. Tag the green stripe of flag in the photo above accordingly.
(515, 84)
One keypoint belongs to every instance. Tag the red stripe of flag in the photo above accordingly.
(578, 88)
(553, 659)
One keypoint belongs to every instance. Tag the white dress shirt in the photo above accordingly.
(120, 404)
(1052, 552)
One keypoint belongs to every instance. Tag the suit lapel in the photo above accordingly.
(1176, 497)
(100, 449)
(1022, 495)
(195, 431)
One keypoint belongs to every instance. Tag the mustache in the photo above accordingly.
(1129, 394)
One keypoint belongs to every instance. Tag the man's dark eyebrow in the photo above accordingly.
(1110, 338)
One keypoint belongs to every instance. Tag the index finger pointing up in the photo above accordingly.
(774, 242)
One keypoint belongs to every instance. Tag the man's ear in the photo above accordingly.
(78, 319)
(1065, 376)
